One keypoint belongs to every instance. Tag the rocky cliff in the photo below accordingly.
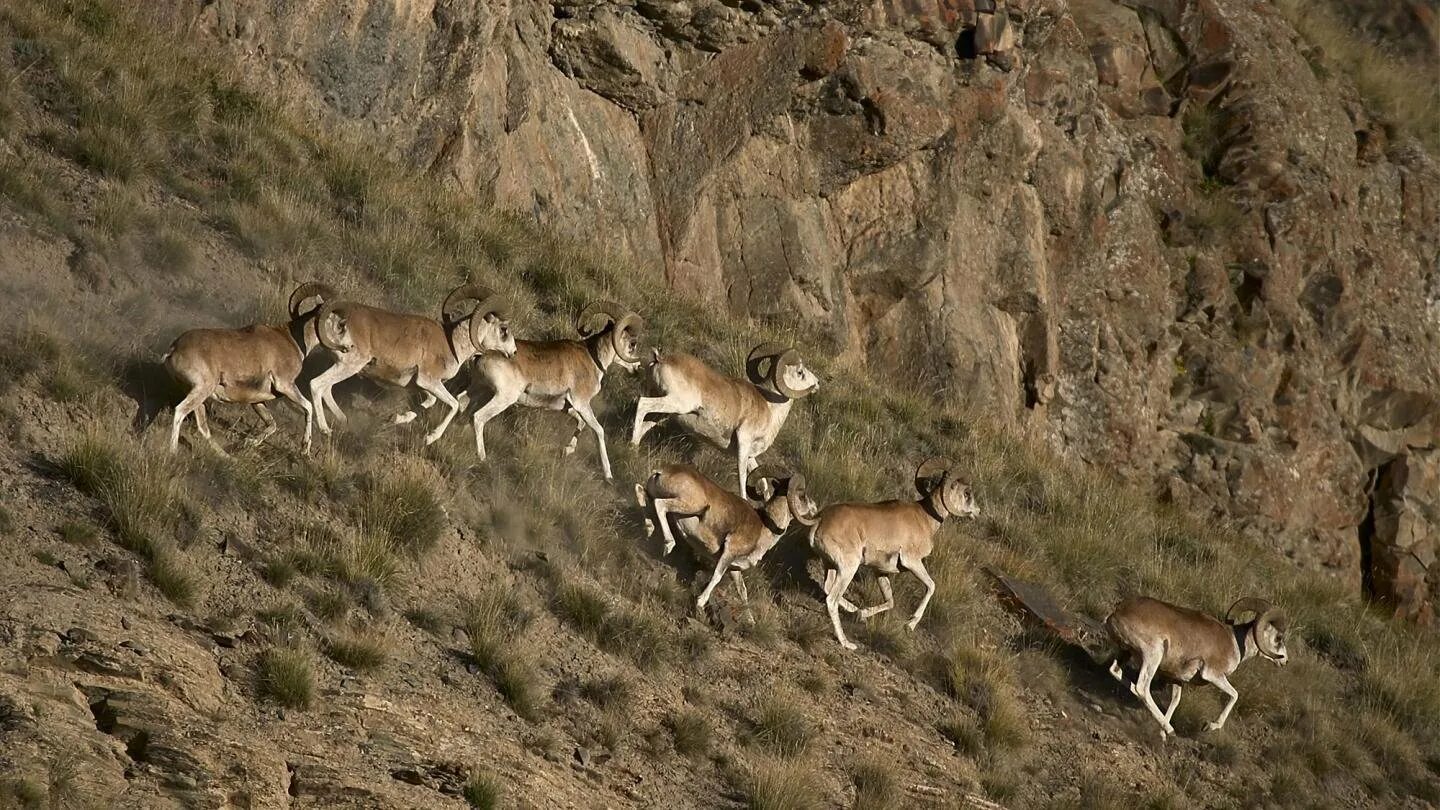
(1160, 231)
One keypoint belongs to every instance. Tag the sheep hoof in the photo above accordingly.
(1214, 726)
(912, 624)
(849, 645)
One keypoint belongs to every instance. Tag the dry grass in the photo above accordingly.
(287, 677)
(483, 791)
(780, 784)
(1400, 91)
(360, 646)
(781, 725)
(877, 784)
(692, 733)
(495, 621)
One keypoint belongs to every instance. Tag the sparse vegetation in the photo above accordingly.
(876, 783)
(780, 784)
(483, 791)
(359, 646)
(287, 677)
(781, 725)
(691, 731)
(7, 521)
(79, 533)
(494, 620)
(1402, 92)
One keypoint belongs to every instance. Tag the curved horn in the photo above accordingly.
(596, 316)
(757, 357)
(306, 291)
(465, 292)
(329, 336)
(795, 495)
(631, 322)
(764, 471)
(1247, 604)
(786, 360)
(926, 475)
(1276, 618)
(486, 307)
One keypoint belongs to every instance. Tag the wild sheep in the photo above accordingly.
(720, 526)
(887, 536)
(251, 366)
(404, 350)
(1183, 644)
(561, 375)
(731, 413)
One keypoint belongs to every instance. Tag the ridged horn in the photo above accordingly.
(926, 475)
(631, 322)
(465, 292)
(306, 291)
(765, 471)
(756, 359)
(1247, 604)
(796, 495)
(596, 316)
(330, 338)
(785, 361)
(494, 305)
(1265, 613)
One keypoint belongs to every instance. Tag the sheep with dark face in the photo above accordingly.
(1184, 645)
(735, 414)
(560, 375)
(718, 524)
(888, 536)
(252, 366)
(407, 350)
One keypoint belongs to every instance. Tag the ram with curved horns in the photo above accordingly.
(560, 375)
(408, 350)
(887, 537)
(251, 366)
(729, 412)
(719, 525)
(1183, 645)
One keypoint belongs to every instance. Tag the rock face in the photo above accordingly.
(1157, 230)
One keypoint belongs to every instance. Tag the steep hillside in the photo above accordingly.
(384, 624)
(1194, 240)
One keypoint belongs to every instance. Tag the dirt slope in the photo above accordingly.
(388, 625)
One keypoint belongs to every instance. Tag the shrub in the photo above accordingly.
(778, 784)
(780, 726)
(495, 620)
(287, 677)
(876, 783)
(483, 790)
(359, 647)
(691, 732)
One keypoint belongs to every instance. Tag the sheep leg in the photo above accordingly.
(1174, 701)
(845, 604)
(583, 409)
(496, 406)
(644, 406)
(439, 391)
(291, 393)
(721, 566)
(742, 457)
(574, 437)
(406, 417)
(662, 514)
(883, 606)
(186, 407)
(1116, 671)
(320, 395)
(203, 423)
(269, 429)
(1141, 689)
(834, 594)
(1223, 684)
(917, 567)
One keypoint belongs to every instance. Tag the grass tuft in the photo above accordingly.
(780, 725)
(359, 647)
(287, 677)
(495, 620)
(483, 791)
(691, 732)
(877, 785)
(780, 784)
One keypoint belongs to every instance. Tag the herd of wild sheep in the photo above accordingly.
(258, 363)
